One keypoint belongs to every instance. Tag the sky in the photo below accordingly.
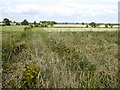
(101, 11)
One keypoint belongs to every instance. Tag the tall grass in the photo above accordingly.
(60, 59)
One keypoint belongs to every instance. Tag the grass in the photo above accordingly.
(13, 28)
(39, 58)
(60, 28)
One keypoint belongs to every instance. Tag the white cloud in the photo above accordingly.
(60, 9)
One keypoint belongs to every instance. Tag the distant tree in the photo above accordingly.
(44, 23)
(6, 21)
(17, 23)
(36, 25)
(25, 22)
(54, 22)
(86, 26)
(93, 24)
(97, 25)
(14, 22)
(47, 23)
(35, 22)
(111, 25)
(51, 23)
(83, 23)
(106, 25)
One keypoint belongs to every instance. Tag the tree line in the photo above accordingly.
(7, 22)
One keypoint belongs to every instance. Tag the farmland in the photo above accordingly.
(59, 57)
(58, 27)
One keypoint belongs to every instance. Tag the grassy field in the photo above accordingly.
(41, 58)
(62, 28)
(13, 28)
(79, 26)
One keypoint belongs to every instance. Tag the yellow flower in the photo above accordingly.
(29, 71)
(31, 76)
(24, 69)
(28, 67)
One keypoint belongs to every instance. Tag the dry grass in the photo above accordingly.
(63, 59)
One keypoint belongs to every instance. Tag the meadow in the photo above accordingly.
(59, 57)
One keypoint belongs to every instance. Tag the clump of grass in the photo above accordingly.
(8, 44)
(27, 33)
(15, 44)
(14, 48)
(19, 48)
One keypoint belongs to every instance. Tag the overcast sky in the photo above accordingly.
(60, 10)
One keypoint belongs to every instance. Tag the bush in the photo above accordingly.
(106, 25)
(36, 25)
(44, 25)
(3, 24)
(29, 77)
(47, 23)
(111, 26)
(17, 23)
(31, 25)
(27, 33)
(86, 26)
(93, 24)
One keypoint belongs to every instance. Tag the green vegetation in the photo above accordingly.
(93, 24)
(13, 28)
(25, 22)
(6, 22)
(106, 25)
(47, 23)
(34, 57)
(29, 77)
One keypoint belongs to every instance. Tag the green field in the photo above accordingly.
(61, 28)
(44, 57)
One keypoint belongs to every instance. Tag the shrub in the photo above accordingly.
(17, 23)
(3, 24)
(44, 25)
(111, 26)
(93, 24)
(36, 25)
(29, 77)
(86, 26)
(106, 25)
(31, 25)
